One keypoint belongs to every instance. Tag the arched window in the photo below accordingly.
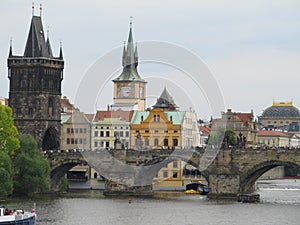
(175, 142)
(166, 142)
(95, 175)
(147, 142)
(50, 107)
(158, 118)
(154, 118)
(142, 118)
(156, 142)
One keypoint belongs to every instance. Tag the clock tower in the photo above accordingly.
(129, 87)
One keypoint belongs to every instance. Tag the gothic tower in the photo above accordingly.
(129, 87)
(35, 87)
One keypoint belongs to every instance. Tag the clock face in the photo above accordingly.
(126, 92)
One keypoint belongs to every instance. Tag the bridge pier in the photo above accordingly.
(224, 185)
(118, 189)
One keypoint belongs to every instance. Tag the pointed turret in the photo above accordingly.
(136, 57)
(48, 45)
(61, 52)
(124, 55)
(10, 49)
(165, 101)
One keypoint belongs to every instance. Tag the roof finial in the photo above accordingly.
(32, 8)
(130, 21)
(40, 10)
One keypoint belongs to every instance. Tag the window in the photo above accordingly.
(166, 142)
(101, 133)
(154, 118)
(80, 130)
(85, 130)
(175, 142)
(121, 134)
(68, 141)
(107, 144)
(146, 131)
(147, 142)
(165, 174)
(76, 130)
(72, 141)
(175, 131)
(156, 131)
(107, 133)
(116, 134)
(127, 133)
(175, 164)
(68, 130)
(156, 142)
(175, 175)
(30, 111)
(96, 134)
(158, 118)
(96, 144)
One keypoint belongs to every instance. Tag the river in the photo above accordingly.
(280, 204)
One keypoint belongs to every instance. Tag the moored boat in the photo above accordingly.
(16, 217)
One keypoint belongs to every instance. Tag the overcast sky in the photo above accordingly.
(252, 48)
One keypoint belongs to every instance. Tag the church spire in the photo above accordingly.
(130, 47)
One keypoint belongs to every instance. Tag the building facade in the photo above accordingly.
(76, 130)
(281, 116)
(111, 129)
(242, 124)
(35, 88)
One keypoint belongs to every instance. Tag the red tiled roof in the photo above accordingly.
(90, 117)
(125, 115)
(245, 117)
(272, 133)
(204, 129)
(65, 103)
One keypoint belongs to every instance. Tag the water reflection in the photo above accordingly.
(280, 201)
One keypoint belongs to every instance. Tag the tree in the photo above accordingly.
(229, 139)
(8, 132)
(6, 171)
(31, 169)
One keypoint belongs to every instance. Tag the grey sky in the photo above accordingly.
(252, 47)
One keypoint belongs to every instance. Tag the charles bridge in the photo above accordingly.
(228, 171)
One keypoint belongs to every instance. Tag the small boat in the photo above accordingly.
(197, 188)
(17, 217)
(191, 191)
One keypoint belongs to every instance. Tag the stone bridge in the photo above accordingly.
(228, 171)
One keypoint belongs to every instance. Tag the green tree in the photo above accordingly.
(31, 169)
(8, 132)
(6, 171)
(229, 138)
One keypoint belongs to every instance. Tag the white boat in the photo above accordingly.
(17, 217)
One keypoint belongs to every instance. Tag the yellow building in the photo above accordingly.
(165, 128)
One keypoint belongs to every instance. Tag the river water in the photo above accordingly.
(280, 204)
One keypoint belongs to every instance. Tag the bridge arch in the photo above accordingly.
(61, 163)
(248, 180)
(158, 163)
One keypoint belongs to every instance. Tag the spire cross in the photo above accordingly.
(10, 41)
(40, 10)
(32, 8)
